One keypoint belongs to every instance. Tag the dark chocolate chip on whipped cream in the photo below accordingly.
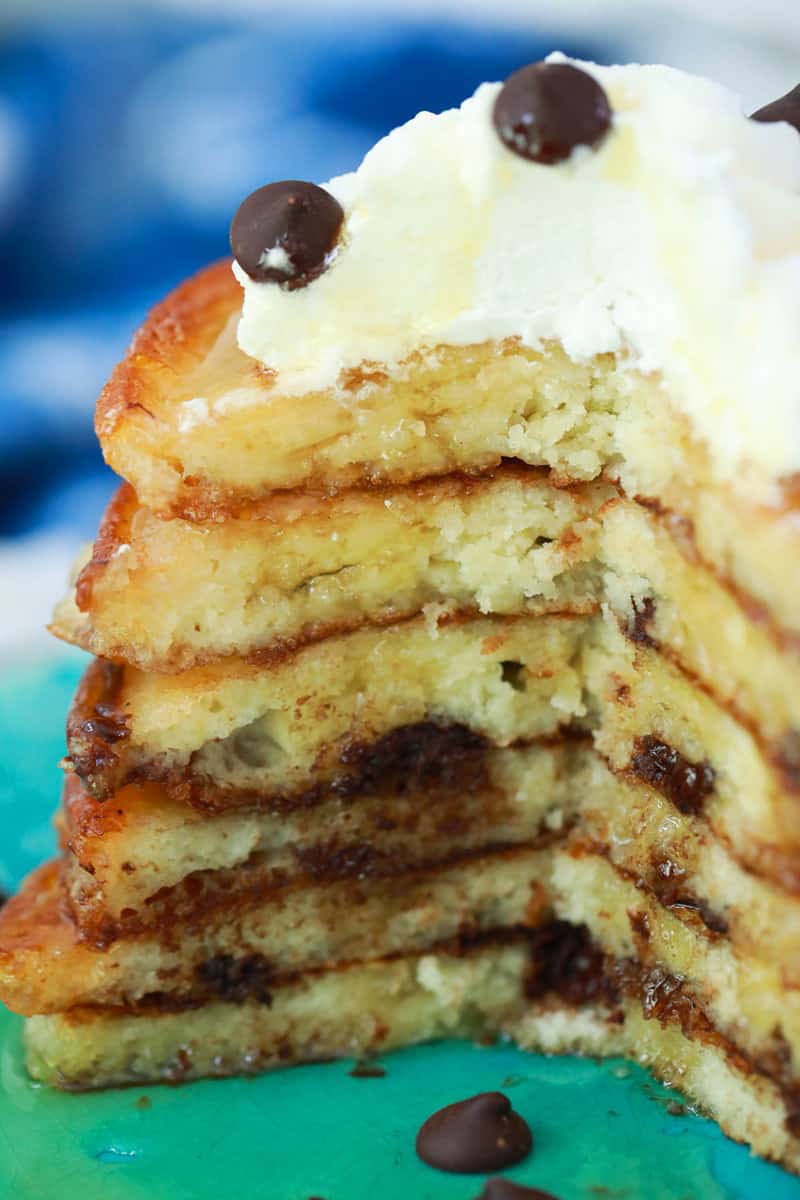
(787, 109)
(543, 111)
(476, 1135)
(285, 232)
(505, 1189)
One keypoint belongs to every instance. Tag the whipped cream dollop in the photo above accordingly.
(675, 242)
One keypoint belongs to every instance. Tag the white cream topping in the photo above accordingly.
(677, 241)
(277, 258)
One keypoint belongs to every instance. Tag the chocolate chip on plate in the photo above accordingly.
(504, 1189)
(543, 111)
(285, 232)
(480, 1134)
(787, 108)
(367, 1070)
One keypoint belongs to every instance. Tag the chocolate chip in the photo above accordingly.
(676, 1110)
(685, 783)
(543, 111)
(713, 921)
(367, 1070)
(642, 616)
(412, 758)
(480, 1134)
(787, 759)
(236, 980)
(285, 232)
(106, 731)
(786, 109)
(504, 1189)
(564, 961)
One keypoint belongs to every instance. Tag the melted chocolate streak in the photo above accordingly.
(254, 978)
(638, 628)
(423, 755)
(686, 784)
(667, 881)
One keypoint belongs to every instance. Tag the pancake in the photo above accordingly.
(263, 937)
(356, 1010)
(451, 410)
(326, 715)
(298, 568)
(381, 1006)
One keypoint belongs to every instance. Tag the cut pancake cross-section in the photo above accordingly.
(445, 674)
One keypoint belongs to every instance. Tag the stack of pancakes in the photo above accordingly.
(465, 705)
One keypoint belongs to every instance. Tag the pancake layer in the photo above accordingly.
(456, 409)
(298, 568)
(314, 718)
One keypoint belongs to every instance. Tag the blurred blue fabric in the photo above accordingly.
(126, 144)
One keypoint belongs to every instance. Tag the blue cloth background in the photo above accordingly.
(126, 143)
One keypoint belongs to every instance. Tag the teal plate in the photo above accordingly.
(602, 1130)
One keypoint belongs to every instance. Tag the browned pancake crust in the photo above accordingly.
(178, 333)
(97, 729)
(114, 531)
